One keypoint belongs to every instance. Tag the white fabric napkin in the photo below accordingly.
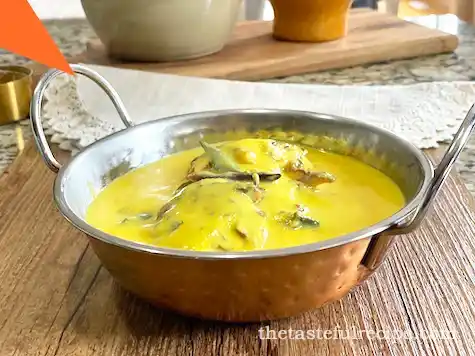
(425, 113)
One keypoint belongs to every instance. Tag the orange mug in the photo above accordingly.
(310, 20)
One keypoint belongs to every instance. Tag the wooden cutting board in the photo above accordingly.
(252, 53)
(57, 300)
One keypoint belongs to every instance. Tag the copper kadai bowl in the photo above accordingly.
(244, 286)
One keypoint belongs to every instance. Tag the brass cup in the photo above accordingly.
(15, 93)
(310, 20)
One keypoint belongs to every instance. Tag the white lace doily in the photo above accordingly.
(77, 113)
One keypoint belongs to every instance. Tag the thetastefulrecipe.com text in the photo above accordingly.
(353, 333)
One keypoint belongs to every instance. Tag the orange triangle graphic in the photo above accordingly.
(22, 33)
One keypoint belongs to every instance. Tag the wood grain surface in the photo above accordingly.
(253, 54)
(56, 299)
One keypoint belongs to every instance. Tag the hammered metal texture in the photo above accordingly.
(243, 290)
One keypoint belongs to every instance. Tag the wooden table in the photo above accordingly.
(56, 299)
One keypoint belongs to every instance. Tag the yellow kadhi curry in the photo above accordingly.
(243, 195)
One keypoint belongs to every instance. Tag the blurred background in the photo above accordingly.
(47, 9)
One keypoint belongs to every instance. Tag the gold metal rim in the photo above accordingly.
(15, 93)
(23, 71)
